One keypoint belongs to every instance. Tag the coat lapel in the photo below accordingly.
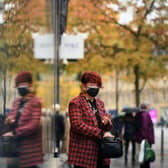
(89, 111)
(99, 107)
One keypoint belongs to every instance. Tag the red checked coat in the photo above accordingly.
(84, 133)
(29, 132)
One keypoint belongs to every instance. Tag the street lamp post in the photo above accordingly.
(162, 123)
(162, 142)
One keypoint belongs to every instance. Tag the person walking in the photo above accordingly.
(28, 128)
(129, 135)
(89, 122)
(144, 130)
(59, 128)
(65, 144)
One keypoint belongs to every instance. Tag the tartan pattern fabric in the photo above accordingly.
(29, 131)
(85, 133)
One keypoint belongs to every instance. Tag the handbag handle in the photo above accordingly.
(18, 114)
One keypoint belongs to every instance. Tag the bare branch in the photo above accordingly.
(120, 25)
(145, 16)
(118, 49)
(149, 9)
(103, 12)
(9, 18)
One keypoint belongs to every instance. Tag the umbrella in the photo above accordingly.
(117, 125)
(130, 109)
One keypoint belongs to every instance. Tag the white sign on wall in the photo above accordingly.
(44, 46)
(72, 46)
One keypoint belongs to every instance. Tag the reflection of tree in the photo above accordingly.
(16, 43)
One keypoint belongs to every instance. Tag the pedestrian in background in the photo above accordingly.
(145, 129)
(65, 144)
(28, 129)
(89, 123)
(59, 128)
(129, 135)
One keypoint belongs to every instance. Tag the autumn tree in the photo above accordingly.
(132, 46)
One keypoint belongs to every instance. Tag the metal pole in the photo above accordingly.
(56, 31)
(162, 143)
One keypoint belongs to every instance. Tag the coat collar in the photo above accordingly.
(83, 100)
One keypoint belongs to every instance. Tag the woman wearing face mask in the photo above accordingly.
(27, 129)
(89, 123)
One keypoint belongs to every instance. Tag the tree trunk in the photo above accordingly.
(117, 91)
(137, 89)
(4, 93)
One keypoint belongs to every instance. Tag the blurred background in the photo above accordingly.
(126, 41)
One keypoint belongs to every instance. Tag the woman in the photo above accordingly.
(89, 123)
(28, 129)
(145, 129)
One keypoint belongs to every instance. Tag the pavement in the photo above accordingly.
(159, 162)
(61, 161)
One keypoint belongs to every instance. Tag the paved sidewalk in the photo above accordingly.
(61, 161)
(119, 163)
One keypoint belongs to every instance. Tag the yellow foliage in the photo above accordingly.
(68, 89)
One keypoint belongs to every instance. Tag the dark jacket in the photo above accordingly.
(145, 128)
(129, 127)
(2, 118)
(59, 126)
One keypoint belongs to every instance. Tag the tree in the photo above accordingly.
(130, 45)
(21, 19)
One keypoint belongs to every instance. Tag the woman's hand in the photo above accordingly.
(8, 134)
(10, 120)
(106, 120)
(108, 134)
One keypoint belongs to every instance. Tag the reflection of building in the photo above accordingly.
(154, 92)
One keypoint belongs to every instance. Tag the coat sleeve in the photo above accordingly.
(14, 108)
(34, 123)
(78, 125)
(147, 128)
(107, 127)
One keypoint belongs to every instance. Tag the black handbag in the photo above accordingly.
(111, 147)
(9, 145)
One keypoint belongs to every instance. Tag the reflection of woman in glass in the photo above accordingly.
(28, 130)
